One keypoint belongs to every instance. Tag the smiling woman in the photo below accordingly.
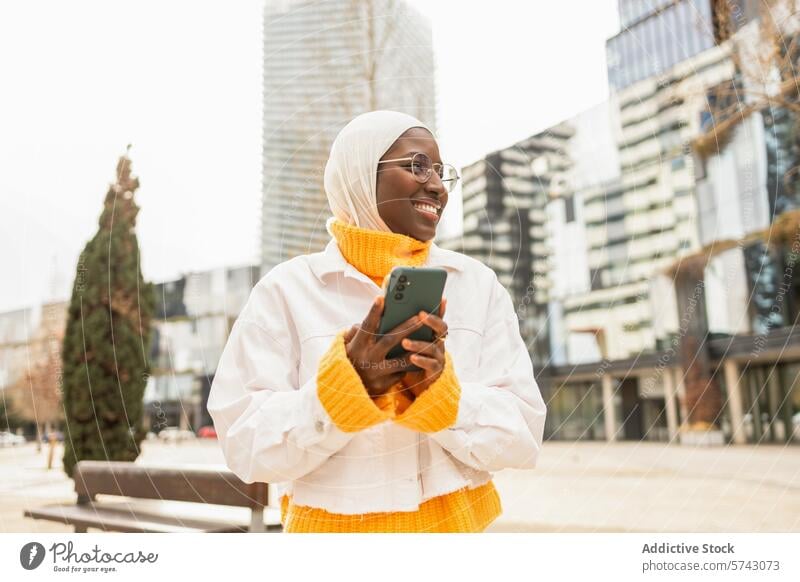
(308, 398)
(413, 192)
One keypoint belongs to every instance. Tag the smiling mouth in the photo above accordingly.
(428, 210)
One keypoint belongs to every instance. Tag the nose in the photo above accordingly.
(435, 185)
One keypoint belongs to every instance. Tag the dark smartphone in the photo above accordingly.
(410, 290)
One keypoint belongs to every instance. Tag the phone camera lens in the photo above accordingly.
(398, 296)
(403, 278)
(400, 287)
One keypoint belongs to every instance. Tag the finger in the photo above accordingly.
(426, 363)
(435, 322)
(369, 327)
(350, 333)
(383, 368)
(442, 307)
(420, 347)
(395, 335)
(394, 366)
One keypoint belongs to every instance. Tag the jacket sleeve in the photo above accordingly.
(501, 412)
(270, 428)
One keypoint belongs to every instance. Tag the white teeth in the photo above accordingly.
(426, 207)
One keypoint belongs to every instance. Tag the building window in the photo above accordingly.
(596, 279)
(569, 207)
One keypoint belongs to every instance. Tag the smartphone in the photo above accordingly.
(410, 290)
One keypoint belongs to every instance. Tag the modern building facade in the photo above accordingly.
(658, 34)
(651, 219)
(723, 219)
(325, 63)
(671, 275)
(30, 366)
(504, 200)
(194, 316)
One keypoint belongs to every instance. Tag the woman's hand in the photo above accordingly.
(367, 350)
(426, 355)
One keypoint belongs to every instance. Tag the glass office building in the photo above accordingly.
(325, 63)
(657, 34)
(658, 40)
(632, 10)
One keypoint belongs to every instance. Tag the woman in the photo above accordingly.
(305, 399)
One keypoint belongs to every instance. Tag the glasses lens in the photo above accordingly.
(421, 167)
(449, 177)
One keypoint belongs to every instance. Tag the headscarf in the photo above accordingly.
(351, 171)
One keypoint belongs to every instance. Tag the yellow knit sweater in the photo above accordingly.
(343, 395)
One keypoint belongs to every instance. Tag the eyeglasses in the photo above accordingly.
(422, 167)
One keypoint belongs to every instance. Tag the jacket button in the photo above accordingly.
(319, 425)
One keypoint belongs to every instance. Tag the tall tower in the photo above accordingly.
(325, 63)
(656, 35)
(505, 196)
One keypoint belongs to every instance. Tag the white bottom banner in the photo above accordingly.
(390, 557)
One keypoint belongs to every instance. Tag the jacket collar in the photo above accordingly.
(331, 260)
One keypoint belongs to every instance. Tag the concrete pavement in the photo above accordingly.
(576, 487)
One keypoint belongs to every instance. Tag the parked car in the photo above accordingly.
(8, 439)
(207, 432)
(173, 434)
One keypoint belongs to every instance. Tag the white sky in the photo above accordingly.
(181, 81)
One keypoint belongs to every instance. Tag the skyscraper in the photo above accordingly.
(505, 195)
(325, 63)
(658, 34)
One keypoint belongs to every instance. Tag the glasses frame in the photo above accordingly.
(449, 185)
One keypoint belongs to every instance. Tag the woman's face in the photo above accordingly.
(400, 195)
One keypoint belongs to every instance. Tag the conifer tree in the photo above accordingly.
(107, 338)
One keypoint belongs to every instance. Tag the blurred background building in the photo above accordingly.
(194, 316)
(30, 368)
(658, 34)
(324, 63)
(504, 201)
(669, 299)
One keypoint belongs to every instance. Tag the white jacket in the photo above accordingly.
(273, 427)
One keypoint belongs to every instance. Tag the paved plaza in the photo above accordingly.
(577, 487)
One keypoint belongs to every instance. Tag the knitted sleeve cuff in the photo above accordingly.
(437, 407)
(341, 392)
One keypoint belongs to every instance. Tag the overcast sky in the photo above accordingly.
(180, 80)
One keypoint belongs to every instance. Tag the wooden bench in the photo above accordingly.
(162, 499)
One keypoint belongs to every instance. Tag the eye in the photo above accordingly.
(421, 165)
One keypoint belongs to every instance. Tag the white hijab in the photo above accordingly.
(351, 171)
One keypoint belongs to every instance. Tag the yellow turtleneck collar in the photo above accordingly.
(375, 253)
